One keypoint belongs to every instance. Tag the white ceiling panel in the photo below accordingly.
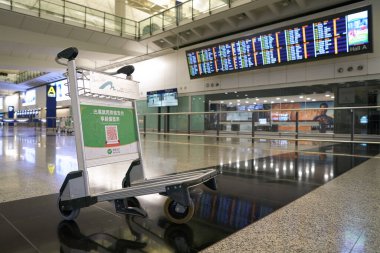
(35, 24)
(9, 18)
(57, 29)
(80, 34)
(99, 38)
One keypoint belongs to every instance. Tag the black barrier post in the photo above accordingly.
(165, 124)
(253, 128)
(159, 120)
(353, 124)
(144, 125)
(188, 126)
(296, 129)
(217, 125)
(168, 120)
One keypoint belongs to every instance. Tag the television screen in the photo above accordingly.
(158, 98)
(28, 98)
(337, 35)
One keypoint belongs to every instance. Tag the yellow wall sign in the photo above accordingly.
(51, 92)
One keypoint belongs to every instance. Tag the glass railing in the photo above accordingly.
(74, 14)
(78, 15)
(340, 124)
(185, 11)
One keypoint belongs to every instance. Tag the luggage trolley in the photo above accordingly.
(106, 131)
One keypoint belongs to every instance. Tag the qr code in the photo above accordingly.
(111, 134)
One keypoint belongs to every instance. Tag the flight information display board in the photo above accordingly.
(338, 35)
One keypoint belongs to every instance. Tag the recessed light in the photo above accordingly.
(222, 102)
(278, 98)
(308, 98)
(291, 101)
(285, 100)
(313, 99)
(332, 97)
(301, 97)
(257, 99)
(327, 95)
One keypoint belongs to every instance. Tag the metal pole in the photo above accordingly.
(188, 126)
(352, 124)
(217, 125)
(159, 120)
(168, 120)
(297, 129)
(144, 125)
(253, 127)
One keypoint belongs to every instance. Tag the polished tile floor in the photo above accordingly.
(256, 180)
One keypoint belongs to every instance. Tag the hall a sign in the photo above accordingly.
(51, 92)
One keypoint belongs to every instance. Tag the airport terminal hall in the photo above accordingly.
(214, 126)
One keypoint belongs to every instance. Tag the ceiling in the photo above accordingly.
(30, 43)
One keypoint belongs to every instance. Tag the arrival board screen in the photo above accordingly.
(342, 34)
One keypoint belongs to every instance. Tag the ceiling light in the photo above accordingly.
(285, 99)
(308, 98)
(265, 101)
(301, 96)
(222, 102)
(257, 99)
(235, 91)
(332, 97)
(246, 102)
(271, 102)
(238, 103)
(291, 101)
(254, 103)
(226, 93)
(278, 98)
(327, 95)
(230, 103)
(246, 95)
(238, 100)
(313, 99)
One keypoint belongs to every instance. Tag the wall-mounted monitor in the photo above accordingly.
(28, 97)
(158, 98)
(341, 34)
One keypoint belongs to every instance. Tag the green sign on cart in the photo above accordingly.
(108, 131)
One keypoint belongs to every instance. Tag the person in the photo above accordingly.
(323, 119)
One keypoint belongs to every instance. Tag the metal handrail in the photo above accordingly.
(351, 135)
(266, 110)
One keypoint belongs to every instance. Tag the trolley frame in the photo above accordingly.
(74, 193)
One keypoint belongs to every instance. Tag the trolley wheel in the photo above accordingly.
(67, 214)
(177, 213)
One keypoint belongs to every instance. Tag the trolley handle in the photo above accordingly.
(69, 54)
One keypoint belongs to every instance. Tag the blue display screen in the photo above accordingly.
(338, 35)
